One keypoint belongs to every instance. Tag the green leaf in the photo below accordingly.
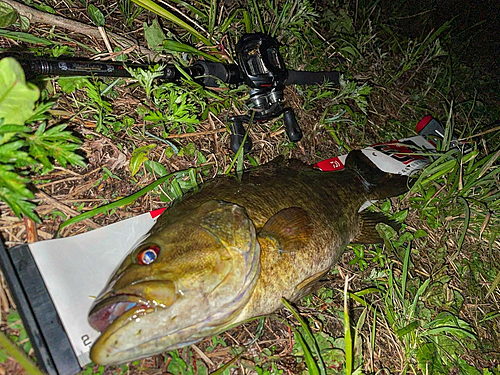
(15, 129)
(154, 34)
(428, 359)
(388, 234)
(45, 8)
(313, 366)
(162, 12)
(70, 84)
(19, 204)
(157, 168)
(10, 153)
(3, 355)
(420, 233)
(407, 329)
(96, 15)
(118, 203)
(400, 216)
(17, 98)
(24, 37)
(172, 45)
(21, 358)
(139, 156)
(8, 16)
(13, 182)
(24, 23)
(54, 143)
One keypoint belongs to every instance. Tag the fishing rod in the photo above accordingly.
(260, 66)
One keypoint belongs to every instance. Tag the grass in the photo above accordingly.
(423, 302)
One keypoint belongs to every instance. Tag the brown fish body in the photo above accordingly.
(293, 223)
(331, 205)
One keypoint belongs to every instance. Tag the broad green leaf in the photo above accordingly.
(8, 16)
(139, 156)
(428, 359)
(388, 234)
(24, 23)
(17, 98)
(400, 216)
(154, 34)
(420, 233)
(157, 168)
(407, 329)
(96, 15)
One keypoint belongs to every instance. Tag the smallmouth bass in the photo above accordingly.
(231, 250)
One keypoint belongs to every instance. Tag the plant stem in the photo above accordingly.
(17, 353)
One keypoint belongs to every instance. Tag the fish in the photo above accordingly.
(232, 249)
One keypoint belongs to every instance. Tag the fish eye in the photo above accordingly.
(148, 254)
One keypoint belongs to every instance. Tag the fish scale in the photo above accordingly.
(232, 249)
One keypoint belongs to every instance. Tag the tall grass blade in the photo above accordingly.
(448, 131)
(240, 150)
(211, 17)
(17, 353)
(420, 291)
(162, 12)
(372, 336)
(172, 45)
(226, 366)
(259, 18)
(119, 203)
(348, 343)
(311, 363)
(466, 222)
(247, 22)
(489, 164)
(404, 276)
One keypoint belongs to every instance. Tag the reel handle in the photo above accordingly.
(237, 134)
(291, 125)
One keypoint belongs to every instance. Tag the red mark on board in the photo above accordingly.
(328, 165)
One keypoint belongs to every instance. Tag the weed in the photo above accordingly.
(27, 147)
(388, 82)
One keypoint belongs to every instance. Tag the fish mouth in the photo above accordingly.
(105, 312)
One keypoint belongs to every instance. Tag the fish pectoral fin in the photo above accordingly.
(367, 227)
(310, 284)
(290, 228)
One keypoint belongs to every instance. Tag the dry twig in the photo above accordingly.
(67, 210)
(37, 16)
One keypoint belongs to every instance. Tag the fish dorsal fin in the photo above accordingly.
(367, 227)
(290, 228)
(277, 165)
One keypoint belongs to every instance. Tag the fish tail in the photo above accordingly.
(376, 183)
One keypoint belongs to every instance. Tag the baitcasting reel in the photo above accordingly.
(260, 67)
(265, 74)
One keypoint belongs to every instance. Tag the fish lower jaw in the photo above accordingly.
(117, 344)
(101, 318)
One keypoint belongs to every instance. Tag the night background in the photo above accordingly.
(423, 301)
